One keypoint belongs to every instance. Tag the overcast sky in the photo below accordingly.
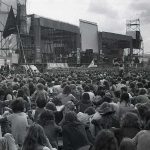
(110, 15)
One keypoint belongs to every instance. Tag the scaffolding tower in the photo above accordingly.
(133, 28)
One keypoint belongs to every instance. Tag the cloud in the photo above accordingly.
(102, 8)
(142, 9)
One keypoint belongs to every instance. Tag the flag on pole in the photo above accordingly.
(10, 27)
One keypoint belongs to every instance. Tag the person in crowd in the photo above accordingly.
(57, 113)
(129, 126)
(74, 133)
(85, 102)
(47, 121)
(90, 92)
(105, 140)
(125, 105)
(108, 118)
(127, 144)
(142, 138)
(40, 91)
(18, 121)
(40, 103)
(98, 100)
(36, 139)
(8, 94)
(66, 95)
(142, 96)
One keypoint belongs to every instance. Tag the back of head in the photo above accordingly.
(17, 105)
(40, 86)
(142, 91)
(90, 111)
(35, 137)
(130, 120)
(85, 98)
(125, 97)
(41, 101)
(127, 144)
(20, 93)
(105, 140)
(70, 116)
(51, 106)
(45, 117)
(67, 90)
(86, 88)
(41, 80)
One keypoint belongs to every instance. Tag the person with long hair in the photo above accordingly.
(142, 138)
(105, 140)
(74, 133)
(66, 96)
(36, 139)
(47, 121)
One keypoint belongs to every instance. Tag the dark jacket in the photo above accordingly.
(84, 106)
(74, 135)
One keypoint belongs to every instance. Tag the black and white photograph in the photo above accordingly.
(74, 75)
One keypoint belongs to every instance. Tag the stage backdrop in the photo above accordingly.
(89, 36)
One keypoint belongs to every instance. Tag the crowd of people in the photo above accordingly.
(86, 109)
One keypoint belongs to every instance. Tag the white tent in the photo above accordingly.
(92, 65)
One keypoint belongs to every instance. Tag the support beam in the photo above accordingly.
(37, 40)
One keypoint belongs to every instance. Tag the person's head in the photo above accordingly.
(42, 81)
(40, 86)
(17, 105)
(140, 85)
(15, 80)
(142, 91)
(57, 101)
(106, 109)
(26, 90)
(51, 106)
(86, 88)
(41, 101)
(31, 88)
(20, 93)
(90, 110)
(124, 89)
(107, 99)
(125, 98)
(46, 117)
(127, 144)
(117, 94)
(70, 106)
(105, 140)
(130, 120)
(85, 98)
(67, 90)
(70, 116)
(35, 137)
(73, 87)
(142, 109)
(132, 85)
(99, 90)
